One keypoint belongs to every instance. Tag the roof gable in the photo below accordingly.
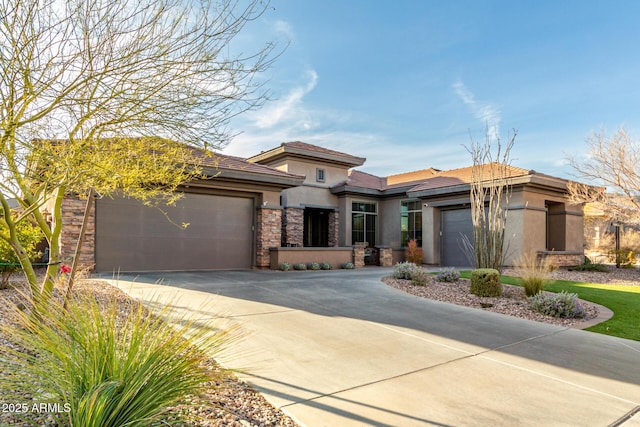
(302, 150)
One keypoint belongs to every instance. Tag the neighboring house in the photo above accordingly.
(299, 196)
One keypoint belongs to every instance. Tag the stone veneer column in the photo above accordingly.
(293, 227)
(386, 256)
(72, 215)
(334, 228)
(268, 234)
(358, 256)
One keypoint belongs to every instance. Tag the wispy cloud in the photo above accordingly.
(487, 113)
(288, 107)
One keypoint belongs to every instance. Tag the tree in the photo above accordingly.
(114, 96)
(29, 237)
(610, 166)
(490, 194)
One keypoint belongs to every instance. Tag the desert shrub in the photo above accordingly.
(590, 267)
(420, 277)
(326, 266)
(485, 282)
(413, 253)
(108, 366)
(314, 266)
(285, 266)
(533, 272)
(625, 258)
(563, 304)
(29, 235)
(449, 274)
(348, 265)
(403, 270)
(300, 266)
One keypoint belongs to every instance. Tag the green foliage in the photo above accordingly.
(420, 277)
(29, 236)
(448, 275)
(403, 270)
(300, 266)
(109, 368)
(413, 253)
(590, 267)
(563, 305)
(326, 266)
(533, 272)
(314, 266)
(285, 266)
(348, 265)
(625, 258)
(485, 282)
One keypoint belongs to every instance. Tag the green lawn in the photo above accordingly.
(624, 301)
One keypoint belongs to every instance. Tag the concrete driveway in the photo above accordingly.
(339, 348)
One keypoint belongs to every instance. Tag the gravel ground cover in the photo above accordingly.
(230, 402)
(513, 302)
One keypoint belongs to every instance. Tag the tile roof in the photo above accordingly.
(304, 150)
(427, 179)
(310, 147)
(223, 161)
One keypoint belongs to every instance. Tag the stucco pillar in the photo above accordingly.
(268, 234)
(293, 227)
(72, 215)
(334, 228)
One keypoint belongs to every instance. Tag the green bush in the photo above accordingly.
(485, 282)
(420, 277)
(108, 367)
(29, 236)
(285, 266)
(625, 258)
(314, 266)
(590, 267)
(300, 266)
(348, 266)
(563, 305)
(326, 266)
(403, 270)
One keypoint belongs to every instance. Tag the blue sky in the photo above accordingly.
(405, 83)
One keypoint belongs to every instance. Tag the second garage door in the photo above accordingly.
(134, 237)
(456, 225)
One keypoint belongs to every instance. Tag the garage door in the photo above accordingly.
(134, 237)
(455, 224)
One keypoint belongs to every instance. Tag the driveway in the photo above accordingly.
(339, 348)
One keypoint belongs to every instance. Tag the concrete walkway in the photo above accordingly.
(339, 348)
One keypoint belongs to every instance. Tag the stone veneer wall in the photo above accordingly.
(268, 234)
(72, 215)
(562, 258)
(292, 227)
(358, 256)
(386, 256)
(334, 228)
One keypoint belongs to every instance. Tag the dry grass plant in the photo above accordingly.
(533, 272)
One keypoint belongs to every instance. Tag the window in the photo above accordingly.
(411, 221)
(320, 175)
(364, 217)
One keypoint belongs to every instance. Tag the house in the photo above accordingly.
(302, 202)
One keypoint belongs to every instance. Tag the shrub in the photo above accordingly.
(420, 277)
(563, 304)
(326, 266)
(300, 266)
(413, 253)
(485, 282)
(314, 266)
(109, 366)
(625, 258)
(29, 235)
(285, 266)
(533, 272)
(348, 266)
(402, 270)
(448, 275)
(590, 267)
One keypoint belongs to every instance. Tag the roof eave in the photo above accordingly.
(285, 151)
